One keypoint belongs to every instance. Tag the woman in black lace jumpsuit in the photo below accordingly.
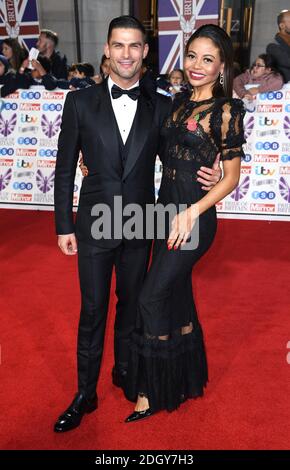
(168, 362)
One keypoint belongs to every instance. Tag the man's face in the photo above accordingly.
(126, 50)
(285, 25)
(42, 43)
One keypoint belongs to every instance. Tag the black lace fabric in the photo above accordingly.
(168, 360)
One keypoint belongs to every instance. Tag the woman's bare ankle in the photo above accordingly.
(142, 404)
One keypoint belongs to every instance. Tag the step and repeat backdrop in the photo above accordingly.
(30, 123)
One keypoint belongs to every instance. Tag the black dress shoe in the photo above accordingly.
(119, 377)
(72, 416)
(137, 415)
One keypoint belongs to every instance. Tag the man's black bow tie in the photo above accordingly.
(134, 93)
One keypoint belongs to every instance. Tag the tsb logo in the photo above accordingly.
(263, 195)
(267, 145)
(52, 107)
(285, 158)
(27, 141)
(47, 153)
(6, 151)
(272, 95)
(22, 186)
(10, 106)
(247, 158)
(30, 95)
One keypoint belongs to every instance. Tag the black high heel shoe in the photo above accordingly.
(137, 415)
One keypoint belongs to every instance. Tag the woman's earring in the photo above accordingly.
(221, 79)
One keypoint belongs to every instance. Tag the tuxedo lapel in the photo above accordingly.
(108, 128)
(139, 132)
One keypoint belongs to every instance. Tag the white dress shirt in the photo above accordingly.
(124, 110)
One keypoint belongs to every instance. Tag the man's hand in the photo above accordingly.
(68, 244)
(209, 177)
(37, 66)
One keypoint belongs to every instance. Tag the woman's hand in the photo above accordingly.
(182, 226)
(24, 66)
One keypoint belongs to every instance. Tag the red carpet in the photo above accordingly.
(242, 293)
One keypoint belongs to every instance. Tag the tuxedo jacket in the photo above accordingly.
(114, 169)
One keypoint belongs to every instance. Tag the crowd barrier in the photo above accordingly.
(29, 127)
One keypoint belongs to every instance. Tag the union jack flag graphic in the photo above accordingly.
(177, 20)
(19, 19)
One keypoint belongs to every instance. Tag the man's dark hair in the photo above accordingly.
(126, 21)
(280, 16)
(50, 35)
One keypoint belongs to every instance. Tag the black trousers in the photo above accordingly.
(95, 274)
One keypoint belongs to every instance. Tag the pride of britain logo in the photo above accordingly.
(241, 190)
(248, 127)
(44, 183)
(50, 128)
(5, 179)
(286, 126)
(284, 189)
(7, 126)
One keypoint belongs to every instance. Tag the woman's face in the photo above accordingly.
(202, 63)
(2, 69)
(259, 68)
(7, 51)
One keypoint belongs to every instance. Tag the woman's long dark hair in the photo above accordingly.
(224, 44)
(19, 53)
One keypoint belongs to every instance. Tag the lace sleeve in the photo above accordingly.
(232, 130)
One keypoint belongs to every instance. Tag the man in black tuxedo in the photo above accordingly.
(117, 126)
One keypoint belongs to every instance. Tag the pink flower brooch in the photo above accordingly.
(192, 123)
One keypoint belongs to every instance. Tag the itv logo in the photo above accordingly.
(265, 121)
(30, 119)
(262, 171)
